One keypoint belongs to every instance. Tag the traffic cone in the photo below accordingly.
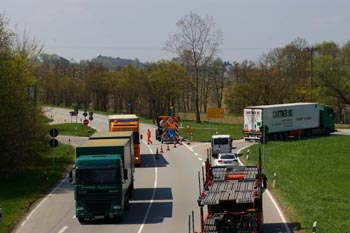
(174, 144)
(161, 149)
(167, 147)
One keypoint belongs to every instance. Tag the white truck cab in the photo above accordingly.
(221, 144)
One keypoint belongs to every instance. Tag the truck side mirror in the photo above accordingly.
(71, 176)
(125, 174)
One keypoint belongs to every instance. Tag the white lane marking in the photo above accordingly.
(188, 147)
(63, 229)
(201, 144)
(74, 216)
(196, 154)
(271, 198)
(200, 159)
(278, 210)
(153, 194)
(37, 207)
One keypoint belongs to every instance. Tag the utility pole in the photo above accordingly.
(311, 50)
(236, 70)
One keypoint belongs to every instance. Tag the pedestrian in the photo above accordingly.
(149, 137)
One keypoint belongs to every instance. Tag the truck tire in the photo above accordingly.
(327, 131)
(118, 219)
(81, 220)
(262, 141)
(126, 203)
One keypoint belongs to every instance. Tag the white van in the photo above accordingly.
(220, 144)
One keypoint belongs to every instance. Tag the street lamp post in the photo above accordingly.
(311, 50)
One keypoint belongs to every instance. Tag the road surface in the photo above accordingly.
(166, 190)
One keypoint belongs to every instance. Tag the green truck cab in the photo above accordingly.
(104, 179)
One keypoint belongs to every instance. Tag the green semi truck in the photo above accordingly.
(103, 179)
(117, 135)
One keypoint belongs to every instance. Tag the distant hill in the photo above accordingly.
(115, 63)
(107, 62)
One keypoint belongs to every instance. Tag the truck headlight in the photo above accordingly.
(80, 208)
(117, 207)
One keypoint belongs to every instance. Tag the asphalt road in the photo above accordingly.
(166, 190)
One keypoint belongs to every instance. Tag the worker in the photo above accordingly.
(149, 137)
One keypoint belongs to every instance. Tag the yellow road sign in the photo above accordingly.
(216, 112)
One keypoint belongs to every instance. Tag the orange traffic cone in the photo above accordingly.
(167, 147)
(161, 149)
(174, 144)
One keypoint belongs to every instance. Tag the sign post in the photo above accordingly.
(215, 113)
(53, 143)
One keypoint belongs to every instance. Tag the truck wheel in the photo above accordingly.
(327, 131)
(118, 219)
(126, 205)
(264, 141)
(81, 220)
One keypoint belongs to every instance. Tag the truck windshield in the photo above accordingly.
(98, 176)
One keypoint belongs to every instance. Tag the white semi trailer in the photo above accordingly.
(282, 121)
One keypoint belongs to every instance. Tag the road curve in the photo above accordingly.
(166, 190)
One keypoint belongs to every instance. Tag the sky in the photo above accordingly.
(130, 29)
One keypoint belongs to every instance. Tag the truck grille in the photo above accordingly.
(98, 207)
(98, 201)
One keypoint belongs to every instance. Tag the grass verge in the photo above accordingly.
(313, 180)
(74, 129)
(202, 132)
(20, 190)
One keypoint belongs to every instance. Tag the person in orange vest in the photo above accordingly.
(149, 137)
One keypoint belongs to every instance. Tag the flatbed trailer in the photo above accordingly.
(233, 196)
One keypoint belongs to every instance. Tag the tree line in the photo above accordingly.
(191, 82)
(283, 75)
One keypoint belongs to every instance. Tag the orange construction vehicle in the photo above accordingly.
(128, 122)
(167, 129)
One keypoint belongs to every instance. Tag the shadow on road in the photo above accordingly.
(147, 161)
(280, 227)
(140, 206)
(141, 194)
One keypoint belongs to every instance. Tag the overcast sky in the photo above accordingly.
(84, 29)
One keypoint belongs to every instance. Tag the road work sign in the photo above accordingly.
(216, 112)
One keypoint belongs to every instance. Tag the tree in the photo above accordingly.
(23, 136)
(198, 40)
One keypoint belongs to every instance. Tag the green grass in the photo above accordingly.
(75, 129)
(202, 131)
(20, 190)
(313, 180)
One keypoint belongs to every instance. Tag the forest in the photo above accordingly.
(284, 75)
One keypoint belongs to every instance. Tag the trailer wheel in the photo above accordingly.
(81, 220)
(262, 141)
(327, 131)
